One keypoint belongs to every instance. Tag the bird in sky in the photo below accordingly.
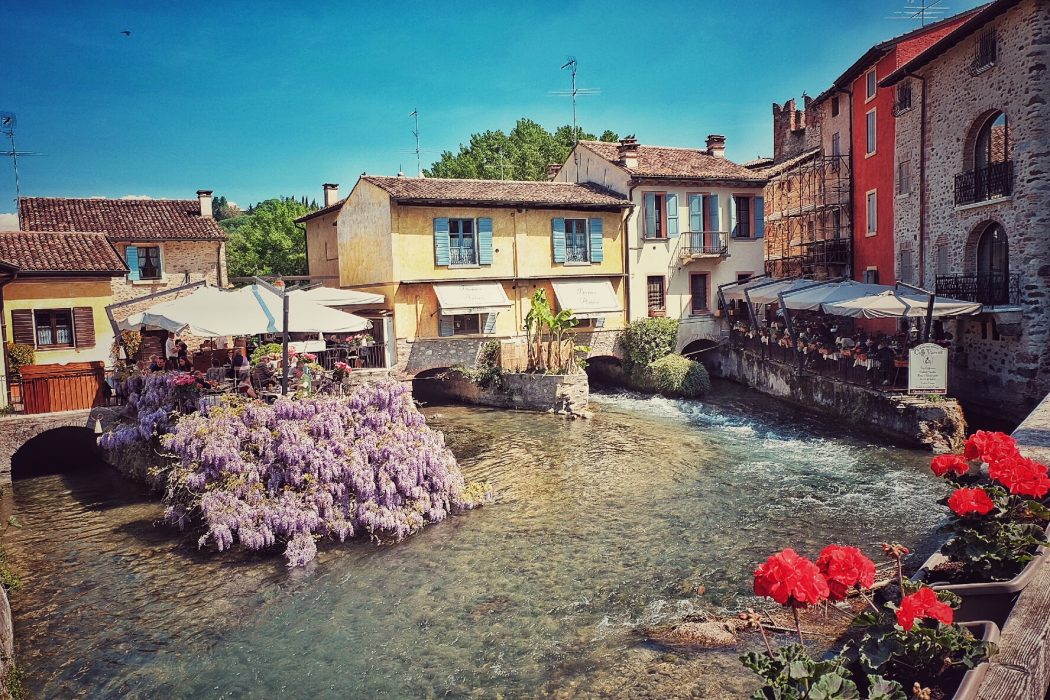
(126, 32)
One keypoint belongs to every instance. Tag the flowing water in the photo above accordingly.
(601, 527)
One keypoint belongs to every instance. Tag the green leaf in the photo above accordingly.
(881, 689)
(833, 687)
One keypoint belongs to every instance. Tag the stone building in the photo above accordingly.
(974, 222)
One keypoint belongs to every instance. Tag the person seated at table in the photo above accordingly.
(240, 364)
(184, 364)
(216, 373)
(155, 364)
(245, 387)
(267, 373)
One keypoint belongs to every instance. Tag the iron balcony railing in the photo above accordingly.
(463, 256)
(990, 290)
(360, 357)
(995, 180)
(705, 244)
(575, 254)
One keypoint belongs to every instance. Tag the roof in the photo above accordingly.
(569, 195)
(774, 169)
(121, 219)
(321, 212)
(73, 252)
(980, 17)
(675, 163)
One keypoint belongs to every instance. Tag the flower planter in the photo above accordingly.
(986, 631)
(983, 601)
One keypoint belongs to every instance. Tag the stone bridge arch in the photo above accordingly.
(16, 432)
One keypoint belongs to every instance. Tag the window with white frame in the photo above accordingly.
(576, 241)
(872, 217)
(462, 242)
(870, 133)
(871, 85)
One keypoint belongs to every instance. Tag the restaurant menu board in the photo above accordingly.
(928, 369)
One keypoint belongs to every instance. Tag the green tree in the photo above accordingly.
(223, 209)
(523, 154)
(266, 241)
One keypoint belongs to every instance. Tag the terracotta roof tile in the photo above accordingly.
(49, 252)
(500, 192)
(321, 212)
(121, 219)
(669, 162)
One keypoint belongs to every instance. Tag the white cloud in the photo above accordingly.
(8, 222)
(134, 196)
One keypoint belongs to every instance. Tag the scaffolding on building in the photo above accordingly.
(809, 227)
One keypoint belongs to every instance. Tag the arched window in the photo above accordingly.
(993, 142)
(993, 266)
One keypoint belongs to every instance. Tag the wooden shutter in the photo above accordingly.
(760, 217)
(22, 327)
(713, 219)
(558, 239)
(83, 327)
(446, 326)
(672, 215)
(131, 257)
(490, 323)
(696, 213)
(734, 217)
(651, 215)
(441, 254)
(595, 230)
(484, 241)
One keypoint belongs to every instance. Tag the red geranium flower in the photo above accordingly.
(966, 501)
(843, 568)
(988, 446)
(942, 464)
(1023, 476)
(923, 604)
(791, 580)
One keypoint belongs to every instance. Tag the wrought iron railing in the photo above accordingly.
(995, 180)
(362, 357)
(705, 243)
(463, 256)
(575, 253)
(991, 290)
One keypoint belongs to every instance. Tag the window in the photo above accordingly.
(871, 85)
(870, 132)
(905, 273)
(835, 106)
(871, 275)
(576, 241)
(993, 142)
(655, 290)
(903, 177)
(744, 276)
(903, 101)
(872, 213)
(743, 217)
(53, 328)
(942, 259)
(655, 214)
(836, 223)
(466, 324)
(986, 51)
(698, 290)
(145, 260)
(993, 266)
(462, 242)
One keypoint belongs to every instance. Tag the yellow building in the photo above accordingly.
(457, 261)
(54, 289)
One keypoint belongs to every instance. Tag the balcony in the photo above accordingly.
(990, 290)
(462, 256)
(704, 244)
(982, 184)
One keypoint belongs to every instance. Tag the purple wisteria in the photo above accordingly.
(152, 400)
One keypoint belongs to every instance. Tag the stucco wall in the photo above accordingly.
(365, 246)
(322, 248)
(63, 294)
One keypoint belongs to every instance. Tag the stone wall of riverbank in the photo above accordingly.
(938, 425)
(564, 394)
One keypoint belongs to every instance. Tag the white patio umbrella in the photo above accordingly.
(332, 296)
(767, 294)
(304, 316)
(202, 313)
(811, 299)
(894, 304)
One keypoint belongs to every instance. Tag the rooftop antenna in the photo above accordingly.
(7, 127)
(415, 132)
(502, 164)
(571, 65)
(922, 10)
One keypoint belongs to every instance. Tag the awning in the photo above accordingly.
(767, 294)
(587, 298)
(471, 298)
(894, 304)
(736, 292)
(830, 292)
(332, 296)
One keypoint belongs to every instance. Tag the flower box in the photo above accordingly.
(970, 684)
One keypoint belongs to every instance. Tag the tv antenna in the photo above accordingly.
(501, 164)
(415, 132)
(7, 128)
(922, 10)
(574, 92)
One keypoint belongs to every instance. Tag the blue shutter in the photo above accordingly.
(441, 255)
(760, 217)
(595, 228)
(558, 239)
(445, 326)
(490, 323)
(696, 213)
(131, 257)
(599, 321)
(650, 215)
(672, 215)
(714, 222)
(484, 241)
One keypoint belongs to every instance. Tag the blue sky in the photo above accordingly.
(258, 99)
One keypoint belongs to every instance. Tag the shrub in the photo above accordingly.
(264, 350)
(673, 375)
(19, 355)
(649, 339)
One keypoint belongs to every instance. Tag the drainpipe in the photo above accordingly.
(627, 251)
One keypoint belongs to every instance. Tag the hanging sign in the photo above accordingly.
(928, 369)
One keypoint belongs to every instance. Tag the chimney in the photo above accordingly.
(204, 197)
(628, 151)
(552, 170)
(716, 146)
(331, 193)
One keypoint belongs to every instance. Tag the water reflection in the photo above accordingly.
(601, 526)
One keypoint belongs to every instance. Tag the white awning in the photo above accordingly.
(471, 298)
(829, 292)
(767, 294)
(333, 296)
(894, 304)
(587, 298)
(735, 292)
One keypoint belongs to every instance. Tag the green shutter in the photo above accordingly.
(594, 227)
(441, 254)
(696, 212)
(490, 323)
(650, 215)
(558, 239)
(672, 215)
(484, 241)
(714, 222)
(445, 326)
(760, 217)
(131, 257)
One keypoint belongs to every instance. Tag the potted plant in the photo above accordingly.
(999, 524)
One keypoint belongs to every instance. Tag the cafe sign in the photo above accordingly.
(928, 369)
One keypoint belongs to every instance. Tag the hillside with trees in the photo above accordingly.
(265, 240)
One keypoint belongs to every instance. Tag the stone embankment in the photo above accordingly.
(562, 394)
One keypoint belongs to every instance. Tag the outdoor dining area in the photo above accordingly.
(841, 329)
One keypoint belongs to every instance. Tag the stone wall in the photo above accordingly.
(16, 430)
(937, 425)
(1010, 365)
(183, 262)
(563, 394)
(7, 641)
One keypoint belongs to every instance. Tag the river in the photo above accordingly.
(600, 527)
